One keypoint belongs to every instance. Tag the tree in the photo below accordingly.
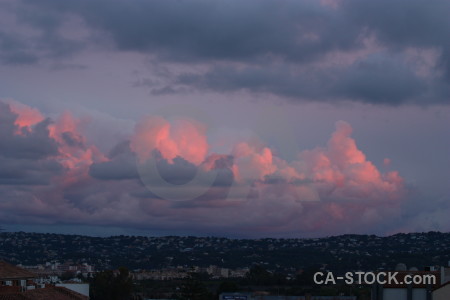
(306, 278)
(259, 276)
(67, 275)
(107, 285)
(194, 289)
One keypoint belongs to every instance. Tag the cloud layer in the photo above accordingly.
(346, 50)
(51, 174)
(286, 69)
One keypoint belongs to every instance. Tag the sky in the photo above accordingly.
(242, 119)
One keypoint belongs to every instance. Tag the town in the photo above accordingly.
(160, 267)
(338, 253)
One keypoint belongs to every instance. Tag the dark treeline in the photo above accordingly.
(117, 285)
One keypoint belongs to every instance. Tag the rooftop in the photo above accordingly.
(54, 293)
(10, 272)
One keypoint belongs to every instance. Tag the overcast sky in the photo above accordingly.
(229, 118)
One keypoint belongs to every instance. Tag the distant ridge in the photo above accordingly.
(345, 252)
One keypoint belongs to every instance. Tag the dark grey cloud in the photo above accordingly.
(27, 171)
(14, 50)
(374, 80)
(199, 30)
(181, 171)
(384, 81)
(72, 139)
(122, 167)
(25, 156)
(402, 23)
(122, 164)
(34, 35)
(29, 144)
(263, 46)
(23, 50)
(296, 30)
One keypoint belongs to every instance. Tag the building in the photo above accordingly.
(49, 292)
(412, 291)
(14, 277)
(20, 284)
(442, 292)
(445, 274)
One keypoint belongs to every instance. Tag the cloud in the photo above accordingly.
(408, 23)
(13, 50)
(341, 171)
(208, 30)
(26, 116)
(40, 153)
(24, 142)
(382, 81)
(185, 138)
(376, 80)
(253, 162)
(25, 151)
(326, 190)
(20, 172)
(300, 50)
(121, 164)
(34, 35)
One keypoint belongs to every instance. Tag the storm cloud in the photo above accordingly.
(383, 52)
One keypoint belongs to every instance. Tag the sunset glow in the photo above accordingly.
(290, 119)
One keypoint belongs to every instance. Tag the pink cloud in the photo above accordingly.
(344, 171)
(26, 116)
(74, 153)
(326, 190)
(253, 162)
(184, 138)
